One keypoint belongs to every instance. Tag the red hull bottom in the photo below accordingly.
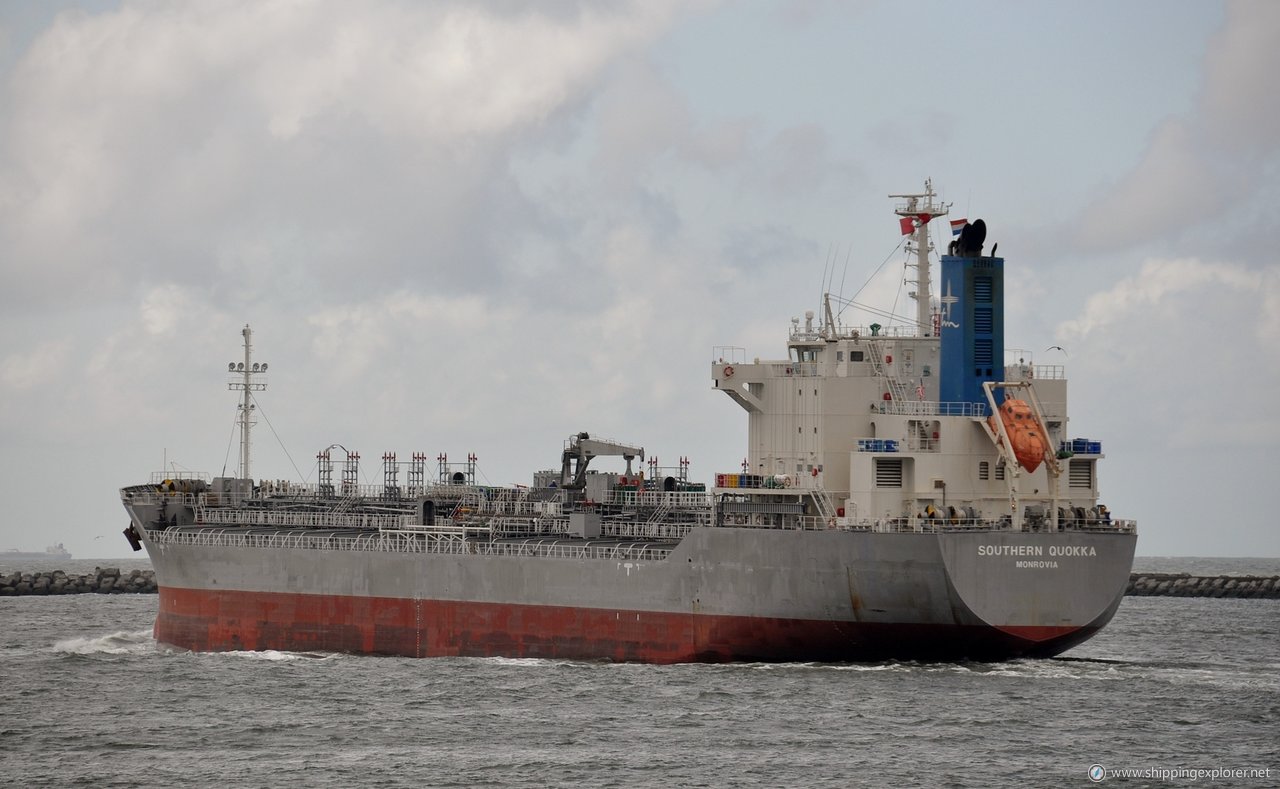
(219, 621)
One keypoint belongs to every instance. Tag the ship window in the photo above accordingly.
(984, 470)
(888, 472)
(1080, 474)
(855, 356)
(839, 356)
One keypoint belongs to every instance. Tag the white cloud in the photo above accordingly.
(1159, 282)
(459, 226)
(157, 139)
(1238, 103)
(1179, 353)
(1175, 184)
(37, 367)
(163, 306)
(1210, 161)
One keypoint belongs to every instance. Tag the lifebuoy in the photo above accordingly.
(728, 371)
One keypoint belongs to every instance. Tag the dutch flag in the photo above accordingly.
(957, 225)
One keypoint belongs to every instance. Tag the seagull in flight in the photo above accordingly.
(1056, 348)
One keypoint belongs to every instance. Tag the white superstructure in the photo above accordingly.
(854, 415)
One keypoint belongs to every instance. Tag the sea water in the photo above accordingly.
(1171, 687)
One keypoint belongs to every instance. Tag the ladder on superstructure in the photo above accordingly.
(661, 512)
(822, 501)
(345, 504)
(900, 392)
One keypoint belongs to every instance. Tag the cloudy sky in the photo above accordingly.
(467, 227)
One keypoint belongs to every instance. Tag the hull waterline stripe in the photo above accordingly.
(220, 620)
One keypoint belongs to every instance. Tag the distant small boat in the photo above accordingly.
(52, 552)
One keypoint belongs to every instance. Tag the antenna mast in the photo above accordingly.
(920, 208)
(246, 370)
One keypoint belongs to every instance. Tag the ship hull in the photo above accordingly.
(33, 556)
(723, 594)
(206, 621)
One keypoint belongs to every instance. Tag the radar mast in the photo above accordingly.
(920, 208)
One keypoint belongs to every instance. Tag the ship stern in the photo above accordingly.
(1042, 592)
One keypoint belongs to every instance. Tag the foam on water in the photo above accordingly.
(271, 655)
(535, 662)
(118, 643)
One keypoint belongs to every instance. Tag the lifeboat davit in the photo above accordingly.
(1027, 439)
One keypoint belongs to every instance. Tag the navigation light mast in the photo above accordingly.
(246, 370)
(920, 208)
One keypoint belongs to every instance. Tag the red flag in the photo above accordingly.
(910, 223)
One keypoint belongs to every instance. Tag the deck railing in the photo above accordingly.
(412, 542)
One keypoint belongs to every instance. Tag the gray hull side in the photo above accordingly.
(925, 579)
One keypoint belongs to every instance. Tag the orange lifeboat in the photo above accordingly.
(1023, 429)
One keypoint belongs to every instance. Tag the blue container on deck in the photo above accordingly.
(890, 445)
(1095, 447)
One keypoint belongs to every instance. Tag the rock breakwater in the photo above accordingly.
(1184, 585)
(103, 580)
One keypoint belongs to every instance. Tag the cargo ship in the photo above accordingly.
(53, 552)
(909, 491)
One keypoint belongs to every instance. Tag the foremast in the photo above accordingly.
(246, 372)
(916, 213)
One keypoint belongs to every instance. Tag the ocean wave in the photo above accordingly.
(118, 643)
(270, 655)
(542, 662)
